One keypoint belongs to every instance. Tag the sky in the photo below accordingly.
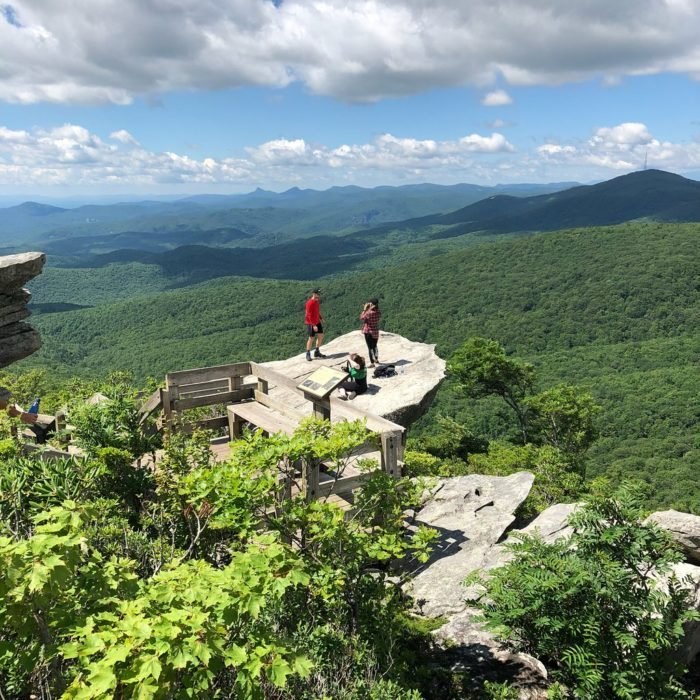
(105, 98)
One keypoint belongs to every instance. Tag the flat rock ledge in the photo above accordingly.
(17, 338)
(471, 513)
(401, 399)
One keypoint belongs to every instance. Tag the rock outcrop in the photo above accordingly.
(684, 528)
(401, 399)
(471, 513)
(17, 338)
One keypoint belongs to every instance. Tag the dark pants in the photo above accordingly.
(372, 347)
(359, 387)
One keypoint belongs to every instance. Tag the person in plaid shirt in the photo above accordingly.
(370, 317)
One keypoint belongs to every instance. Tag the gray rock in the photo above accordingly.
(684, 528)
(550, 524)
(17, 341)
(690, 646)
(470, 648)
(401, 399)
(471, 513)
(17, 270)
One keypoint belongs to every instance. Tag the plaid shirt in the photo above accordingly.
(371, 322)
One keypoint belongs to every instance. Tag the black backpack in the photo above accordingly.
(381, 371)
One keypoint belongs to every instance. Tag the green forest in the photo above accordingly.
(613, 309)
(573, 354)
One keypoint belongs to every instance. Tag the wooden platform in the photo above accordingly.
(239, 393)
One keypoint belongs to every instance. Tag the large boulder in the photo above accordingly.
(470, 650)
(470, 513)
(552, 524)
(684, 528)
(401, 399)
(690, 646)
(17, 338)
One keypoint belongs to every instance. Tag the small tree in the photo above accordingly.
(564, 417)
(592, 607)
(482, 369)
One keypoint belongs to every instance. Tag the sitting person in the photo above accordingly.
(38, 423)
(357, 382)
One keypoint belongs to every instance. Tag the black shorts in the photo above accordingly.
(311, 331)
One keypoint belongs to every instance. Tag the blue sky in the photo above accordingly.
(99, 97)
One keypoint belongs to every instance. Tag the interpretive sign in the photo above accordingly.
(322, 381)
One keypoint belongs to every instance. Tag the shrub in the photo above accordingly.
(592, 607)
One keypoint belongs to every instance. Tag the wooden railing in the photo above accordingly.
(241, 390)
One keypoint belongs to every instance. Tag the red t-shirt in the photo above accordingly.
(313, 312)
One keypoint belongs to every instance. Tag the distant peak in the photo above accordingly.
(38, 209)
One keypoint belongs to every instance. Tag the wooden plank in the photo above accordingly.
(342, 485)
(310, 480)
(377, 424)
(349, 465)
(322, 409)
(205, 424)
(211, 399)
(204, 388)
(213, 389)
(274, 377)
(262, 417)
(213, 393)
(167, 408)
(205, 374)
(279, 406)
(152, 403)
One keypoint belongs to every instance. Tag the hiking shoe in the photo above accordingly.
(308, 356)
(351, 395)
(320, 355)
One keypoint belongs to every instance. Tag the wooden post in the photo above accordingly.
(167, 408)
(263, 386)
(322, 409)
(234, 424)
(310, 480)
(391, 445)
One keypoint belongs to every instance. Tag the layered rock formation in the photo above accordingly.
(17, 338)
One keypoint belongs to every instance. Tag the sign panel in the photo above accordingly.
(322, 381)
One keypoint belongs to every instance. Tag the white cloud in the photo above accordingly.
(109, 51)
(622, 147)
(497, 98)
(72, 155)
(123, 136)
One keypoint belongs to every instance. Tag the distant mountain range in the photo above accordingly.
(648, 194)
(266, 218)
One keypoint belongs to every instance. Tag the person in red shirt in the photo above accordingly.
(314, 324)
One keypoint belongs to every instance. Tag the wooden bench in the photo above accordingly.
(269, 420)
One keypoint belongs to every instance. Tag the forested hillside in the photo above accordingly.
(615, 310)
